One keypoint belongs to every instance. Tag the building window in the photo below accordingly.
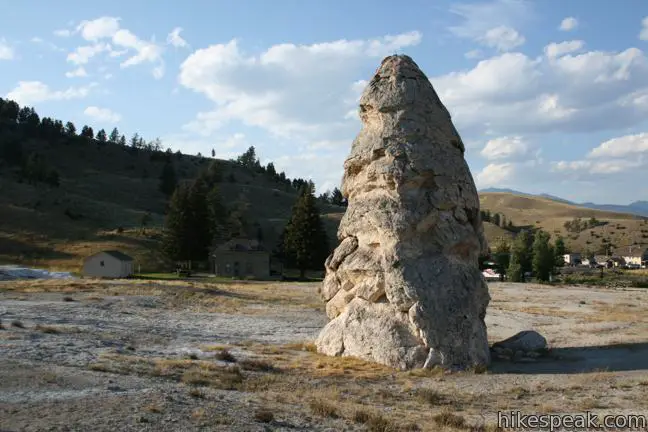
(101, 263)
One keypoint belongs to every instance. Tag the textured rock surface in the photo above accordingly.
(528, 340)
(403, 287)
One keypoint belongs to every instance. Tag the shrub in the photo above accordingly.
(264, 416)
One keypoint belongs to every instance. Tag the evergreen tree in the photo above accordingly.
(135, 141)
(249, 159)
(336, 197)
(213, 153)
(87, 132)
(270, 169)
(200, 232)
(70, 129)
(520, 261)
(177, 240)
(502, 257)
(217, 217)
(560, 251)
(122, 140)
(114, 136)
(168, 180)
(305, 240)
(101, 136)
(543, 256)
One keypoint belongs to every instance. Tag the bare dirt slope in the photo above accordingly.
(132, 355)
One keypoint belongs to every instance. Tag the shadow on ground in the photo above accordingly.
(570, 360)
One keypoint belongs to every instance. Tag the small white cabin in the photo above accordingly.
(108, 264)
(572, 259)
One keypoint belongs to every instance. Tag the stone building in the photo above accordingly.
(109, 264)
(240, 258)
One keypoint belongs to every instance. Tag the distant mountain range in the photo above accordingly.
(639, 208)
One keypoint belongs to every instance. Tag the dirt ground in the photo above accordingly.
(86, 355)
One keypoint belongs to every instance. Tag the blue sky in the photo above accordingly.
(549, 96)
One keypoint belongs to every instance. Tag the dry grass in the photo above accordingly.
(191, 372)
(199, 296)
(47, 329)
(323, 408)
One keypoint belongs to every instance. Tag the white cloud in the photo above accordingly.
(473, 54)
(617, 159)
(554, 50)
(643, 35)
(100, 28)
(568, 24)
(104, 115)
(83, 54)
(587, 169)
(31, 92)
(623, 146)
(504, 148)
(502, 38)
(478, 18)
(494, 174)
(275, 90)
(107, 36)
(175, 39)
(6, 51)
(77, 73)
(63, 33)
(514, 94)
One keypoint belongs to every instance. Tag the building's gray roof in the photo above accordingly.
(240, 245)
(115, 254)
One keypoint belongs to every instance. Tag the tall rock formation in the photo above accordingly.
(403, 288)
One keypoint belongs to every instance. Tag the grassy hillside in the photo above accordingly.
(104, 191)
(105, 188)
(619, 230)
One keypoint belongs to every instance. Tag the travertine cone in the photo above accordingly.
(403, 288)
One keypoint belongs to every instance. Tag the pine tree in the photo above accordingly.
(336, 197)
(168, 180)
(200, 231)
(543, 256)
(114, 136)
(520, 261)
(305, 240)
(270, 169)
(187, 234)
(177, 236)
(101, 136)
(502, 257)
(213, 153)
(70, 129)
(122, 140)
(87, 132)
(560, 251)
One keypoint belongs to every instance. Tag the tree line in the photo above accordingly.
(197, 220)
(497, 219)
(529, 252)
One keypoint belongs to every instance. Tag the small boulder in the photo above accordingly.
(526, 341)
